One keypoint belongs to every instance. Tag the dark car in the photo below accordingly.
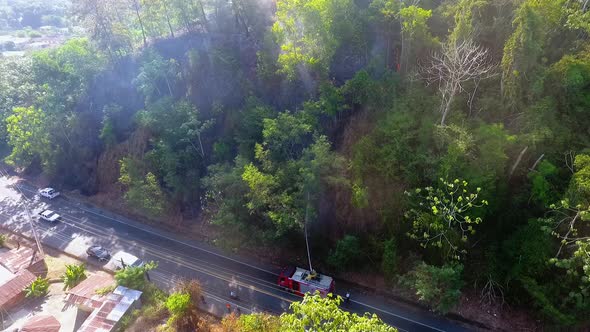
(99, 253)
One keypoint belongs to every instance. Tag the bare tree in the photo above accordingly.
(456, 64)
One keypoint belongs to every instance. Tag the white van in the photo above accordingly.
(122, 259)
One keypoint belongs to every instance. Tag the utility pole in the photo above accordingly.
(305, 231)
(33, 226)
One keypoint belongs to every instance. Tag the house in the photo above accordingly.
(18, 269)
(105, 310)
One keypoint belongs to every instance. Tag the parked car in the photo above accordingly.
(99, 253)
(49, 215)
(123, 259)
(48, 193)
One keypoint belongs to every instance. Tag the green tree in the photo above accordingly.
(442, 216)
(347, 254)
(534, 23)
(316, 313)
(154, 72)
(28, 136)
(440, 287)
(306, 32)
(390, 259)
(143, 193)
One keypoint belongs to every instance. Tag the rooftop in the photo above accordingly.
(18, 259)
(112, 309)
(84, 294)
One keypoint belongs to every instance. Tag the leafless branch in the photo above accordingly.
(456, 64)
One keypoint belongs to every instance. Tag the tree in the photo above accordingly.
(154, 71)
(317, 313)
(438, 286)
(134, 276)
(73, 275)
(28, 136)
(455, 65)
(534, 23)
(442, 216)
(143, 193)
(105, 23)
(305, 31)
(347, 253)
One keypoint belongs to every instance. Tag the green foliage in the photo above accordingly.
(308, 34)
(254, 322)
(73, 275)
(442, 216)
(38, 288)
(178, 303)
(534, 21)
(528, 251)
(347, 255)
(2, 240)
(143, 193)
(440, 287)
(316, 313)
(156, 76)
(28, 136)
(542, 190)
(390, 259)
(134, 276)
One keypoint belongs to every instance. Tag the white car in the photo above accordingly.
(49, 215)
(48, 193)
(122, 259)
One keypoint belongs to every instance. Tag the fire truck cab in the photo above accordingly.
(301, 281)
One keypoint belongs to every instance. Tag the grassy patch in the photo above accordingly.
(55, 267)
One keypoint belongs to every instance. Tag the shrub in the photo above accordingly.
(389, 262)
(192, 288)
(2, 240)
(38, 288)
(347, 253)
(178, 303)
(73, 275)
(183, 315)
(440, 287)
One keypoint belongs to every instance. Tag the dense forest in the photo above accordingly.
(440, 143)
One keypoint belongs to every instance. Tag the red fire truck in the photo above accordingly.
(301, 281)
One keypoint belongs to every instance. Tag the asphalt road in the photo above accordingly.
(84, 225)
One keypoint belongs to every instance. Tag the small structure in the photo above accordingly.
(18, 269)
(41, 323)
(106, 310)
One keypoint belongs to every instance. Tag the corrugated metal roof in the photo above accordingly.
(16, 260)
(112, 310)
(84, 294)
(15, 286)
(41, 323)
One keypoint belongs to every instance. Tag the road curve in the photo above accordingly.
(83, 225)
